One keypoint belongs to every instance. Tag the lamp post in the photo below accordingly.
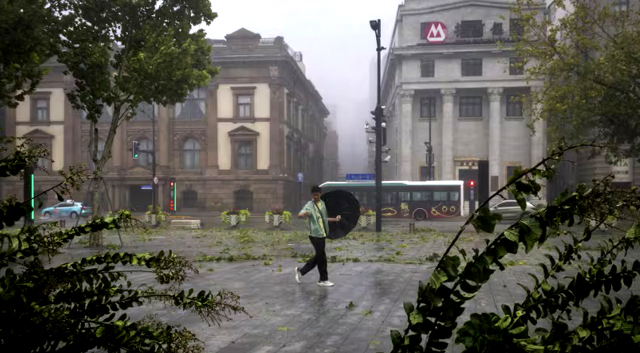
(378, 113)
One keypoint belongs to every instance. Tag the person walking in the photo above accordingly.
(315, 212)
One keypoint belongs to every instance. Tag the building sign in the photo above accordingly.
(622, 171)
(436, 32)
(361, 177)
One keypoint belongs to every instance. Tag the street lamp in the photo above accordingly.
(378, 114)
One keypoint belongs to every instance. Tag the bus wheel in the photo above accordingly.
(420, 215)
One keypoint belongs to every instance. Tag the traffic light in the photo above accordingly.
(384, 133)
(135, 150)
(29, 194)
(173, 188)
(472, 183)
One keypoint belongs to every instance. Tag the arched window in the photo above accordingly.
(191, 154)
(145, 158)
(190, 199)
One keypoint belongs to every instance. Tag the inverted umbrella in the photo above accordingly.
(343, 203)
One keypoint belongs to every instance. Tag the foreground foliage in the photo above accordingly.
(82, 305)
(544, 320)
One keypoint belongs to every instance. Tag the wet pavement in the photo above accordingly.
(290, 317)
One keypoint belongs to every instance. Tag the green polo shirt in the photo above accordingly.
(317, 227)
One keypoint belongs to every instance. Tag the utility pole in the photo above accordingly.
(378, 114)
(154, 186)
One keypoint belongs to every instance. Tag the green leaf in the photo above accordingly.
(437, 278)
(582, 332)
(408, 307)
(59, 197)
(512, 235)
(634, 232)
(100, 331)
(504, 322)
(485, 221)
(522, 201)
(416, 317)
(518, 330)
(396, 338)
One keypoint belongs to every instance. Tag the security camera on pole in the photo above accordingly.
(378, 114)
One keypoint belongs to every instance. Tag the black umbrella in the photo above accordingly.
(343, 203)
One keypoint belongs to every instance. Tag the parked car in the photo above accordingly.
(69, 208)
(511, 209)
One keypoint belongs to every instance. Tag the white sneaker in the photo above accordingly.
(325, 284)
(298, 275)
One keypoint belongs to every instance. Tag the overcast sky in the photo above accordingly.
(338, 48)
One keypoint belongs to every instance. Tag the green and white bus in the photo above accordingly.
(418, 200)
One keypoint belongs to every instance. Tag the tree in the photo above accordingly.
(545, 320)
(29, 39)
(588, 54)
(122, 53)
(81, 306)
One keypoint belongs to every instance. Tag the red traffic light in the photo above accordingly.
(472, 183)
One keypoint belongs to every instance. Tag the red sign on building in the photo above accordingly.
(436, 32)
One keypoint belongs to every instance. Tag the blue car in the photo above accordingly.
(67, 209)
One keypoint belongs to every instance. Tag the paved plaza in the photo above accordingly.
(375, 273)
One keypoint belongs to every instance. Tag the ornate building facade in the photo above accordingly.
(238, 142)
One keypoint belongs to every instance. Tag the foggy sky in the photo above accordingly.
(338, 48)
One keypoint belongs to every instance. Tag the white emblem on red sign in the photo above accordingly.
(436, 32)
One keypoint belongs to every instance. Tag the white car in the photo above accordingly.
(511, 209)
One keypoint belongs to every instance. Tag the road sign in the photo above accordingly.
(436, 32)
(361, 177)
(300, 177)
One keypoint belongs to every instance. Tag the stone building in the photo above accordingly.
(238, 142)
(445, 67)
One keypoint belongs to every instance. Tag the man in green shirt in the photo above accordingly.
(315, 212)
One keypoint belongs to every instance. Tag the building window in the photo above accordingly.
(471, 67)
(189, 199)
(423, 30)
(191, 154)
(427, 68)
(471, 107)
(145, 157)
(40, 107)
(194, 106)
(428, 107)
(145, 112)
(514, 105)
(244, 155)
(471, 29)
(516, 66)
(244, 106)
(620, 5)
(516, 28)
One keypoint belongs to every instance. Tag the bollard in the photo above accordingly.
(62, 223)
(412, 227)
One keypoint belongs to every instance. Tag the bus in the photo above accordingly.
(419, 200)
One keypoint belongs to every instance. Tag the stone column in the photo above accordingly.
(495, 118)
(406, 136)
(163, 142)
(538, 140)
(212, 130)
(121, 148)
(446, 147)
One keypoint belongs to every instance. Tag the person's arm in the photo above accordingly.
(304, 213)
(337, 219)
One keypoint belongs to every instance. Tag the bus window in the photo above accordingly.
(404, 196)
(440, 196)
(454, 196)
(389, 198)
(419, 196)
